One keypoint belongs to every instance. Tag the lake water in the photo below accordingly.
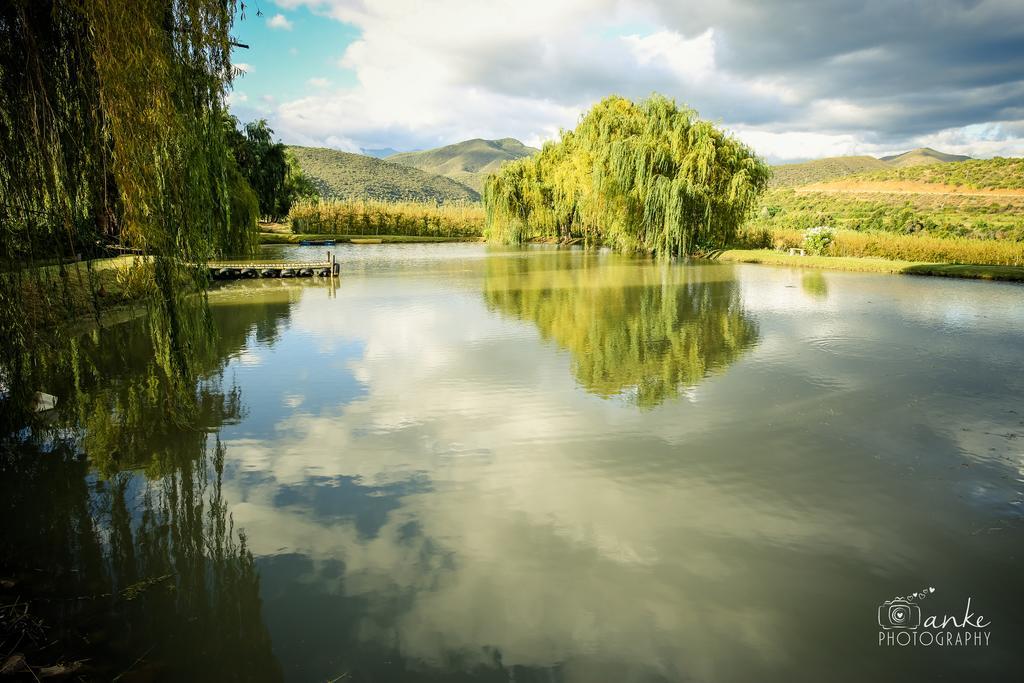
(467, 463)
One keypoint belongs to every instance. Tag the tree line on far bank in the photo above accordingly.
(269, 170)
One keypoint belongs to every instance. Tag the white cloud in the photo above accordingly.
(999, 138)
(690, 60)
(981, 141)
(492, 530)
(243, 67)
(318, 82)
(454, 69)
(802, 145)
(279, 21)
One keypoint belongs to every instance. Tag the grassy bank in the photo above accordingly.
(875, 265)
(80, 290)
(887, 245)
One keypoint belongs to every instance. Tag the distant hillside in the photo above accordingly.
(978, 198)
(922, 156)
(978, 174)
(379, 153)
(821, 170)
(343, 175)
(468, 162)
(834, 168)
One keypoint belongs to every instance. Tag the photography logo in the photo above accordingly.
(901, 624)
(902, 612)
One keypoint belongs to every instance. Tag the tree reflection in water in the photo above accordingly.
(642, 329)
(117, 528)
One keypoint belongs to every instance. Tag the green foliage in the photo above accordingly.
(340, 175)
(110, 135)
(468, 162)
(940, 215)
(263, 163)
(646, 176)
(297, 185)
(360, 217)
(245, 211)
(818, 240)
(270, 170)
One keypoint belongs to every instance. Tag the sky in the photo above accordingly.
(796, 80)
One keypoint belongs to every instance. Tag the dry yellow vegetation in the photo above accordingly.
(915, 248)
(367, 217)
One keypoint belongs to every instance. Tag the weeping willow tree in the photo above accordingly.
(112, 139)
(648, 176)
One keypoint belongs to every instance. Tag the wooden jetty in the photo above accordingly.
(234, 270)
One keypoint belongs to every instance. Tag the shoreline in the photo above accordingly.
(770, 257)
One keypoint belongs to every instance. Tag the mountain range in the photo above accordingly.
(341, 175)
(833, 168)
(457, 172)
(468, 162)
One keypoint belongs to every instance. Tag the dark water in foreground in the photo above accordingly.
(488, 465)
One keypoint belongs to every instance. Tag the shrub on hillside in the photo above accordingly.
(818, 240)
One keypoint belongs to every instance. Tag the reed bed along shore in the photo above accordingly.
(913, 248)
(368, 217)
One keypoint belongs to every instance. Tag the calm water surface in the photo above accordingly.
(479, 464)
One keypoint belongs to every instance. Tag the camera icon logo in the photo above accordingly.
(899, 614)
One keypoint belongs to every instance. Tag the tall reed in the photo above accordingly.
(369, 217)
(889, 245)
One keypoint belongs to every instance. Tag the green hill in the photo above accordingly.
(1000, 173)
(834, 168)
(977, 198)
(822, 170)
(342, 175)
(379, 152)
(468, 162)
(922, 156)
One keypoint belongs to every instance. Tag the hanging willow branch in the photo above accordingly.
(111, 134)
(647, 176)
